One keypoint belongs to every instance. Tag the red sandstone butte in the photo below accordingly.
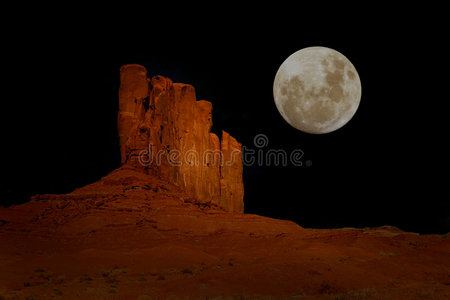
(134, 235)
(163, 128)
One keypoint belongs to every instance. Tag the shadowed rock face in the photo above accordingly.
(163, 128)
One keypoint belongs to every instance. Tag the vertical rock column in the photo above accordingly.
(231, 185)
(133, 102)
(163, 127)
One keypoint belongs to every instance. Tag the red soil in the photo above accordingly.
(134, 236)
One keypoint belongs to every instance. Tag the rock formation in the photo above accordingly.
(135, 235)
(163, 128)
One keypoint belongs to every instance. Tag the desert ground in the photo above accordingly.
(134, 236)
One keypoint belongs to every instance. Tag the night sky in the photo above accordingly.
(388, 166)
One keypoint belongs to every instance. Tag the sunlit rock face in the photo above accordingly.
(164, 129)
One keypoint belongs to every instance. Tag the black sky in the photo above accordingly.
(387, 166)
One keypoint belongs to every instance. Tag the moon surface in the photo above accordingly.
(317, 90)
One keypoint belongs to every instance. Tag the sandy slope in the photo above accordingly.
(133, 236)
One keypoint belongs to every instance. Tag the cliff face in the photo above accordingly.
(164, 128)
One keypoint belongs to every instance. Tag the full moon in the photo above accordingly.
(317, 90)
